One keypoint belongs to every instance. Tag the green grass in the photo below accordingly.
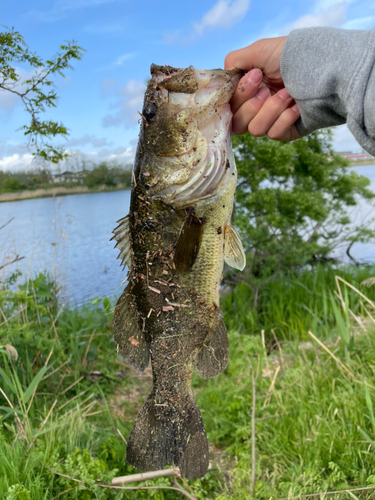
(314, 429)
(293, 304)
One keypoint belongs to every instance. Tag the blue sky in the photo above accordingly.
(100, 98)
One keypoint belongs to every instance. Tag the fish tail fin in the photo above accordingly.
(172, 432)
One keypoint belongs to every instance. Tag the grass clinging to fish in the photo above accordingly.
(174, 241)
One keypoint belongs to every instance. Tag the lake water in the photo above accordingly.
(69, 237)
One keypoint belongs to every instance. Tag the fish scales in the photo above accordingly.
(174, 241)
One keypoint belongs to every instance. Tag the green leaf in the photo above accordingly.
(34, 384)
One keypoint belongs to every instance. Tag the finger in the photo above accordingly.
(256, 55)
(246, 89)
(248, 110)
(269, 113)
(283, 128)
(245, 58)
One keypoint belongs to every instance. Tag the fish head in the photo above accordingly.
(186, 125)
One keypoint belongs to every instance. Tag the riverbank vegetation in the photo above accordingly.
(40, 182)
(292, 415)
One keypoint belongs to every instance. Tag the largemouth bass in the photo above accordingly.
(174, 241)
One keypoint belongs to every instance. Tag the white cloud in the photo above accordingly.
(77, 160)
(129, 101)
(16, 162)
(125, 57)
(119, 61)
(224, 14)
(334, 16)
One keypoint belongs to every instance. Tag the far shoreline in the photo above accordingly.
(56, 191)
(65, 191)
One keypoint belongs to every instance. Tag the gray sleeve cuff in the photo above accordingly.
(330, 74)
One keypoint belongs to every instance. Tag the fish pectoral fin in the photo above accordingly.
(213, 358)
(129, 337)
(234, 254)
(123, 242)
(188, 243)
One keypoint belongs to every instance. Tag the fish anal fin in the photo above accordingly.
(188, 243)
(123, 241)
(128, 335)
(213, 358)
(234, 254)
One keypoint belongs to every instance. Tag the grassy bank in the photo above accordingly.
(57, 191)
(358, 163)
(288, 418)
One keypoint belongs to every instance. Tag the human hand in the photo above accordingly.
(268, 110)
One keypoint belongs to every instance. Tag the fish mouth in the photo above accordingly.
(209, 163)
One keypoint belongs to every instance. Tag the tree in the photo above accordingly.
(292, 204)
(36, 92)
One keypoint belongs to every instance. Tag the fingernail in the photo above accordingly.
(295, 108)
(284, 94)
(255, 76)
(262, 93)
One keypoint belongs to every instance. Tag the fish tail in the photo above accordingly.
(169, 433)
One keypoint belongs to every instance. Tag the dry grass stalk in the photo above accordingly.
(56, 370)
(72, 385)
(87, 408)
(15, 413)
(338, 278)
(88, 347)
(272, 386)
(3, 315)
(105, 485)
(13, 316)
(144, 476)
(340, 363)
(72, 399)
(94, 413)
(263, 339)
(253, 438)
(371, 317)
(278, 345)
(311, 495)
(121, 436)
(43, 424)
(65, 491)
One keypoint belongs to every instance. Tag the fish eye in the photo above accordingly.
(149, 110)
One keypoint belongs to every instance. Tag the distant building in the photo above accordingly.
(356, 156)
(67, 177)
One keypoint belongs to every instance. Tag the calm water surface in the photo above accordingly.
(69, 237)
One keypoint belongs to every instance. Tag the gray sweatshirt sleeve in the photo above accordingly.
(330, 74)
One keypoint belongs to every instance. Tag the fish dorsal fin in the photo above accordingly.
(234, 255)
(123, 242)
(214, 355)
(129, 337)
(188, 243)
